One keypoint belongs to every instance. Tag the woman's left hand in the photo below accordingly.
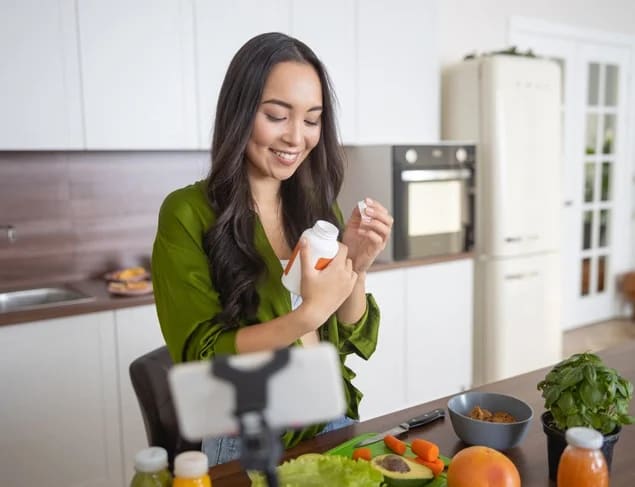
(366, 236)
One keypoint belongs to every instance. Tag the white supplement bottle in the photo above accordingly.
(323, 246)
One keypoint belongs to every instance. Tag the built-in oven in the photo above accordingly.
(429, 190)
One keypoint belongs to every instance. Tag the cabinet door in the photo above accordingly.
(221, 29)
(39, 82)
(335, 45)
(382, 377)
(137, 332)
(137, 61)
(59, 421)
(439, 316)
(398, 92)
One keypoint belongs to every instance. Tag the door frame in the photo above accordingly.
(519, 26)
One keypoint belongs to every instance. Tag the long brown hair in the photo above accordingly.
(308, 195)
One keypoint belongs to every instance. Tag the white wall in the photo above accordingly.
(466, 25)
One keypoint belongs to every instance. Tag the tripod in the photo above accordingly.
(261, 446)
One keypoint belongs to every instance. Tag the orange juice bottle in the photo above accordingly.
(582, 463)
(190, 470)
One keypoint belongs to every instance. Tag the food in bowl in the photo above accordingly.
(497, 435)
(486, 415)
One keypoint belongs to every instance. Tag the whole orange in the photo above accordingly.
(480, 466)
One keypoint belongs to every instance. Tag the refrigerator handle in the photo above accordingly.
(521, 275)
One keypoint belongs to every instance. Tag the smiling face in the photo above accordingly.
(287, 124)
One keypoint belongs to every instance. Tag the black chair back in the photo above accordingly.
(149, 376)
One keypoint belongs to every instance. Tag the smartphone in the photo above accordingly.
(308, 389)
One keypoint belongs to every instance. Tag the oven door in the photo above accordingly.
(433, 212)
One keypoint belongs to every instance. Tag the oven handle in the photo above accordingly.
(415, 175)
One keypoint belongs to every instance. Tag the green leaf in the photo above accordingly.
(570, 378)
(574, 420)
(566, 403)
(552, 396)
(590, 395)
(321, 470)
(589, 373)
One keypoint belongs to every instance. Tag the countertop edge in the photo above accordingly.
(104, 301)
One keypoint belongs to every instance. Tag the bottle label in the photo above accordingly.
(295, 253)
(321, 263)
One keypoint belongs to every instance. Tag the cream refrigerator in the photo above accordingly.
(510, 105)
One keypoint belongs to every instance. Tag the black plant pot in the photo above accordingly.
(556, 443)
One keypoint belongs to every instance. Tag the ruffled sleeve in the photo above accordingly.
(185, 299)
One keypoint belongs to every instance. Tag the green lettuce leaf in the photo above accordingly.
(315, 470)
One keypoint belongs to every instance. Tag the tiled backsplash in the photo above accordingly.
(80, 214)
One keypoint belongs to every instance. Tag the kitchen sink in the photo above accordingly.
(43, 297)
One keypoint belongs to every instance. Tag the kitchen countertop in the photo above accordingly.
(530, 457)
(104, 301)
(97, 288)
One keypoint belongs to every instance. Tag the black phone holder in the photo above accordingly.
(261, 447)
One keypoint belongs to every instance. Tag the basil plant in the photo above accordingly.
(582, 391)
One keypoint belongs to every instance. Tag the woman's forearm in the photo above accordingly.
(354, 307)
(277, 333)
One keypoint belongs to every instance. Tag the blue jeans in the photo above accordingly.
(226, 449)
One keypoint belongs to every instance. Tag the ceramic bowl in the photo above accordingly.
(501, 436)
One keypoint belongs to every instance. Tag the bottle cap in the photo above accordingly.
(586, 438)
(151, 459)
(324, 229)
(190, 464)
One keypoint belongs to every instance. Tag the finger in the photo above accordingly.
(378, 227)
(305, 256)
(342, 252)
(380, 214)
(375, 205)
(375, 239)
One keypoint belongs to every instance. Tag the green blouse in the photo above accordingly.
(187, 300)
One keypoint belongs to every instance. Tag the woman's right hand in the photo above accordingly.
(324, 291)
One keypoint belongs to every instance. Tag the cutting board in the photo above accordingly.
(379, 448)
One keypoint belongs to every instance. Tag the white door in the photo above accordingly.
(595, 240)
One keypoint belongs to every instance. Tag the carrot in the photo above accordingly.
(426, 450)
(363, 453)
(437, 466)
(396, 445)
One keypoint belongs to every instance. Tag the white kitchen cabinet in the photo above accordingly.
(60, 421)
(137, 332)
(439, 329)
(382, 378)
(221, 29)
(137, 67)
(398, 72)
(336, 46)
(40, 96)
(424, 350)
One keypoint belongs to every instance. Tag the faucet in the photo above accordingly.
(11, 233)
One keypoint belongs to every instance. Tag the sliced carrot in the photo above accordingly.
(426, 450)
(395, 444)
(437, 466)
(363, 453)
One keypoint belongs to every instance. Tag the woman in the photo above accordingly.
(221, 243)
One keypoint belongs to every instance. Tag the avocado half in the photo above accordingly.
(401, 472)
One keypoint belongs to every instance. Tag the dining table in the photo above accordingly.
(530, 457)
